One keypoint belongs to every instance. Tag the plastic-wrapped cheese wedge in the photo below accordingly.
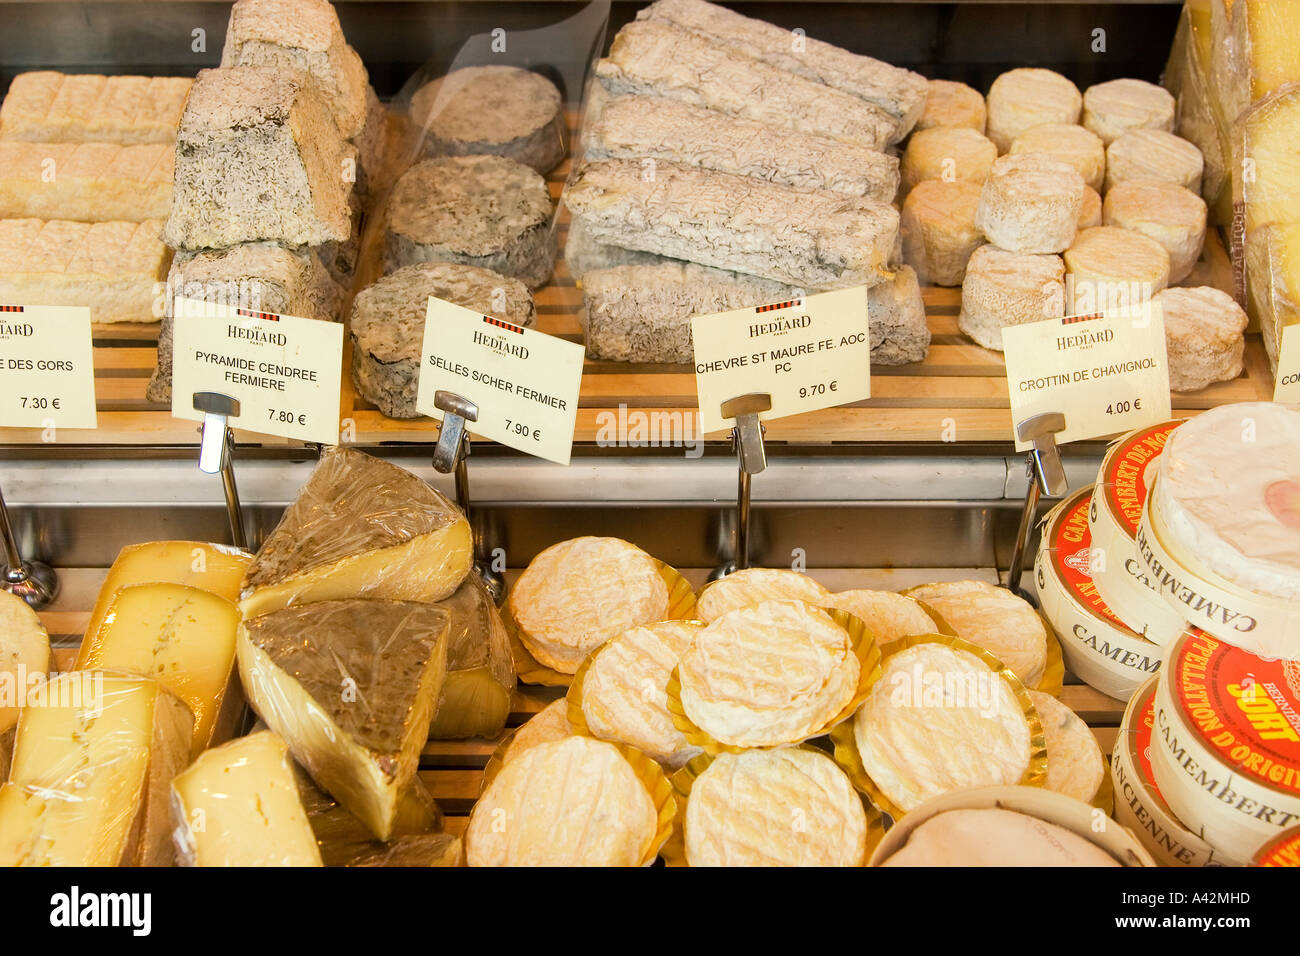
(475, 699)
(351, 686)
(343, 839)
(422, 850)
(1264, 136)
(237, 805)
(24, 657)
(93, 759)
(360, 527)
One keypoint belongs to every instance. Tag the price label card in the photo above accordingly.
(808, 354)
(1106, 373)
(1287, 388)
(525, 383)
(285, 371)
(48, 365)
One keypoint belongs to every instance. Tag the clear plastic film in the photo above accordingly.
(24, 658)
(1272, 255)
(475, 699)
(1198, 118)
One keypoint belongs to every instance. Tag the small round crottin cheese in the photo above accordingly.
(1002, 623)
(949, 103)
(1169, 214)
(1027, 97)
(576, 595)
(1075, 766)
(1113, 108)
(939, 231)
(940, 719)
(548, 724)
(1075, 146)
(572, 802)
(492, 110)
(1090, 209)
(1111, 269)
(786, 807)
(889, 616)
(771, 674)
(995, 837)
(1008, 288)
(948, 153)
(1154, 154)
(1030, 204)
(625, 690)
(1204, 336)
(755, 585)
(485, 211)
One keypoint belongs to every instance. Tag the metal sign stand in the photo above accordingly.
(1046, 475)
(215, 453)
(450, 457)
(747, 442)
(33, 581)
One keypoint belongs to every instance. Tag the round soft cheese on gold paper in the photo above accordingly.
(548, 724)
(993, 618)
(755, 585)
(996, 837)
(888, 615)
(1075, 766)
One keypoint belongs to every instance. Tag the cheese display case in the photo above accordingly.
(371, 654)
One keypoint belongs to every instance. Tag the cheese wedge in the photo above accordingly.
(24, 656)
(424, 850)
(475, 699)
(1264, 137)
(342, 838)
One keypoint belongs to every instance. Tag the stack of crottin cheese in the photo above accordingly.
(85, 182)
(725, 166)
(1003, 196)
(275, 153)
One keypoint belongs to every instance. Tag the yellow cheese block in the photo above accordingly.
(177, 634)
(24, 656)
(238, 805)
(1273, 274)
(1261, 54)
(1269, 163)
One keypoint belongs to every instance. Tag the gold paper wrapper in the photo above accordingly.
(863, 646)
(940, 625)
(1104, 798)
(846, 746)
(674, 851)
(681, 607)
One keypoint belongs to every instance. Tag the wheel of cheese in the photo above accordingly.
(1009, 288)
(947, 153)
(1154, 154)
(1090, 209)
(1113, 108)
(939, 232)
(1111, 269)
(1075, 766)
(548, 724)
(1204, 336)
(889, 616)
(1168, 213)
(1030, 204)
(750, 586)
(948, 103)
(1073, 145)
(993, 836)
(1027, 97)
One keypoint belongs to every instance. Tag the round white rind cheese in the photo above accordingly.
(1113, 108)
(1090, 209)
(1023, 98)
(939, 231)
(1112, 269)
(890, 616)
(1078, 148)
(1154, 154)
(752, 586)
(1030, 204)
(1168, 213)
(949, 103)
(787, 807)
(1204, 336)
(1075, 766)
(995, 837)
(549, 724)
(946, 153)
(1008, 288)
(24, 652)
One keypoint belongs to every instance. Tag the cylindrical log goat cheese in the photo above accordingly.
(387, 324)
(492, 110)
(1009, 288)
(1024, 98)
(1113, 269)
(1113, 108)
(948, 103)
(1204, 336)
(1072, 145)
(939, 232)
(1168, 213)
(1030, 204)
(1090, 208)
(484, 211)
(1154, 154)
(948, 153)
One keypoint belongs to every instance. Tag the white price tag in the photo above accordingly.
(285, 371)
(525, 383)
(49, 368)
(1287, 388)
(1107, 373)
(808, 354)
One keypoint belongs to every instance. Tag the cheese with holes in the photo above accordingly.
(48, 107)
(889, 616)
(1109, 269)
(1008, 288)
(1075, 766)
(939, 231)
(995, 837)
(1023, 98)
(948, 153)
(548, 724)
(24, 656)
(93, 761)
(948, 103)
(360, 527)
(993, 618)
(1079, 148)
(475, 699)
(87, 182)
(1265, 137)
(351, 686)
(1168, 213)
(1113, 108)
(1154, 154)
(1030, 204)
(750, 586)
(237, 805)
(1204, 336)
(1090, 209)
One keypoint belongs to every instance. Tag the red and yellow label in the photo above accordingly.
(1144, 720)
(1280, 851)
(1125, 473)
(1072, 558)
(1246, 709)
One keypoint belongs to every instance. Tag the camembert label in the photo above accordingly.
(525, 383)
(809, 353)
(1287, 388)
(1124, 474)
(285, 371)
(1072, 559)
(48, 365)
(1105, 372)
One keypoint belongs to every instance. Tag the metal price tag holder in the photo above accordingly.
(215, 451)
(1046, 475)
(751, 455)
(449, 456)
(33, 581)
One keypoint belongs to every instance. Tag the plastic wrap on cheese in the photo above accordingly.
(351, 686)
(24, 657)
(6, 751)
(475, 699)
(1273, 277)
(360, 527)
(428, 849)
(343, 839)
(1197, 118)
